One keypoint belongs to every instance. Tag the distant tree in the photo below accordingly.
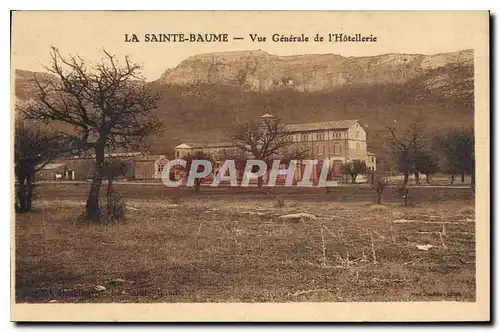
(379, 185)
(354, 168)
(107, 104)
(426, 163)
(457, 146)
(406, 144)
(189, 161)
(34, 147)
(265, 140)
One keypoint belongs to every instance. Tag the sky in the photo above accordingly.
(88, 33)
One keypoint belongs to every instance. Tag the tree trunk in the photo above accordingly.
(110, 184)
(417, 178)
(92, 209)
(428, 178)
(109, 209)
(24, 192)
(463, 176)
(260, 182)
(379, 197)
(452, 179)
(473, 179)
(21, 195)
(405, 180)
(29, 192)
(353, 179)
(197, 185)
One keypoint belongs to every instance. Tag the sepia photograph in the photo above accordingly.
(315, 163)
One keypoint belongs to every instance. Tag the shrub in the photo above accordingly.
(280, 202)
(114, 207)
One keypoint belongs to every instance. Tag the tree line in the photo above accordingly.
(415, 152)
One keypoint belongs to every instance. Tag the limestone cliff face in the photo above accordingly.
(261, 71)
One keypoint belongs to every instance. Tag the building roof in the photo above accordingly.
(311, 126)
(124, 154)
(53, 166)
(112, 155)
(198, 145)
(183, 146)
(151, 157)
(267, 115)
(370, 153)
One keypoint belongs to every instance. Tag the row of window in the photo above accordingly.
(337, 149)
(319, 137)
(320, 150)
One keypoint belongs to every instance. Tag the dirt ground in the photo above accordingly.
(240, 248)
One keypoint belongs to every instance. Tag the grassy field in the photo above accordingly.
(349, 193)
(234, 247)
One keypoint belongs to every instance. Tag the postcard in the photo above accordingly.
(250, 166)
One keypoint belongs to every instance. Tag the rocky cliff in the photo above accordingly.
(261, 71)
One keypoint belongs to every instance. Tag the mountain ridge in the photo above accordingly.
(261, 71)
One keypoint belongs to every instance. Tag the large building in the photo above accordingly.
(338, 141)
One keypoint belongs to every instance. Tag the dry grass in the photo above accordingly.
(377, 208)
(238, 250)
(468, 210)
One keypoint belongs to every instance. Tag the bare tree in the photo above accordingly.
(34, 147)
(107, 104)
(379, 185)
(265, 140)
